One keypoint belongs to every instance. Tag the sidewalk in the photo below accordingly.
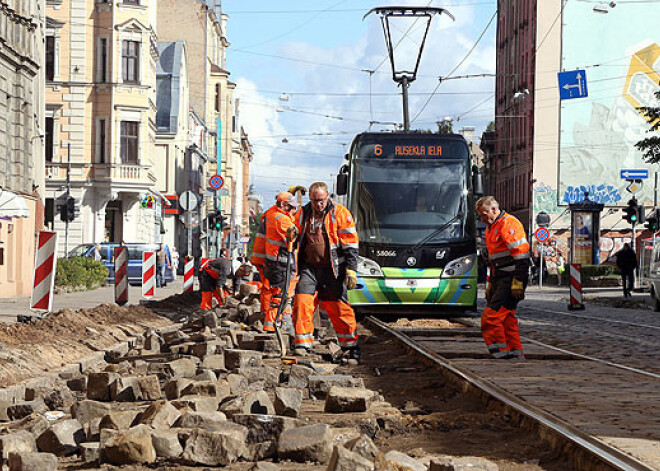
(10, 308)
(561, 293)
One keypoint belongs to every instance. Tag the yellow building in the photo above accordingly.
(101, 116)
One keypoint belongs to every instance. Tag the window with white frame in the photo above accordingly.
(50, 58)
(130, 61)
(50, 135)
(129, 141)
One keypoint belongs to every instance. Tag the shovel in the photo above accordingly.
(284, 299)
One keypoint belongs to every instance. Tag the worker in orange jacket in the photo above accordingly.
(258, 259)
(508, 257)
(278, 219)
(213, 275)
(327, 258)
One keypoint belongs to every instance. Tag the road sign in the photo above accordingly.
(572, 84)
(634, 173)
(216, 182)
(542, 234)
(188, 200)
(223, 192)
(634, 186)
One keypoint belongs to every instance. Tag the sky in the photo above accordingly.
(333, 67)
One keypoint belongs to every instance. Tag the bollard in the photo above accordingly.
(121, 275)
(44, 272)
(148, 274)
(576, 287)
(188, 272)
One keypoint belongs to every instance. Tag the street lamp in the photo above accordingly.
(404, 68)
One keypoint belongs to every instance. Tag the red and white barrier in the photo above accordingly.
(203, 263)
(148, 274)
(121, 275)
(188, 272)
(576, 287)
(44, 272)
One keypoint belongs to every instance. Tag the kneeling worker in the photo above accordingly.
(327, 259)
(212, 278)
(508, 258)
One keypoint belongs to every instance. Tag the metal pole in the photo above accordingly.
(189, 222)
(68, 194)
(541, 267)
(655, 191)
(406, 117)
(634, 247)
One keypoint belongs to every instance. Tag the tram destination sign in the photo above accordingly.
(413, 148)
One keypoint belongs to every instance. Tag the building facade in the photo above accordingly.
(101, 118)
(21, 142)
(211, 96)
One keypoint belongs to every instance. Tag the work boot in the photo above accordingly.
(353, 356)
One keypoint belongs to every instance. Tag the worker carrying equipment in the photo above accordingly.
(277, 221)
(212, 278)
(327, 258)
(508, 257)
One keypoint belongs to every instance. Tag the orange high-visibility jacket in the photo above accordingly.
(508, 249)
(278, 222)
(342, 234)
(258, 258)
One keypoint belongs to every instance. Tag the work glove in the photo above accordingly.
(489, 292)
(351, 279)
(517, 290)
(292, 233)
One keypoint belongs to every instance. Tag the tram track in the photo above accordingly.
(595, 410)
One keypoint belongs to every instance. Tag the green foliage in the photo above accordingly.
(491, 126)
(597, 270)
(80, 271)
(650, 146)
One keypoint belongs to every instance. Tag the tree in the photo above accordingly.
(254, 224)
(491, 126)
(650, 146)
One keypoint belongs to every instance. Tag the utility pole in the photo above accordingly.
(68, 194)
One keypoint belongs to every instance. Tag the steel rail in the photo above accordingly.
(590, 445)
(580, 355)
(603, 319)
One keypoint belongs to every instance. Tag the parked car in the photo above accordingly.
(135, 251)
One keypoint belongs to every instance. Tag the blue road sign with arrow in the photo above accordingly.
(634, 174)
(572, 84)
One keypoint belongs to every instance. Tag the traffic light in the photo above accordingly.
(653, 221)
(631, 212)
(68, 209)
(221, 222)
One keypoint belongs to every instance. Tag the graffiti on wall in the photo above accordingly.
(545, 199)
(604, 194)
(610, 245)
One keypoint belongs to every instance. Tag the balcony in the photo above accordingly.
(115, 174)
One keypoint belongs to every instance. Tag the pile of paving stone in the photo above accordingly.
(210, 391)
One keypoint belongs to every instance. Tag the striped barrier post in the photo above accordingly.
(188, 272)
(121, 275)
(44, 272)
(576, 287)
(148, 274)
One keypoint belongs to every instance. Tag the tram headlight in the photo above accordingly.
(459, 266)
(367, 267)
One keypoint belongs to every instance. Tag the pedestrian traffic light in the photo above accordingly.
(221, 222)
(631, 212)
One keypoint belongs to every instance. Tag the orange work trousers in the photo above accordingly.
(332, 298)
(207, 298)
(270, 311)
(499, 329)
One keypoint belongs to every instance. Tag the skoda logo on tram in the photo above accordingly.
(412, 261)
